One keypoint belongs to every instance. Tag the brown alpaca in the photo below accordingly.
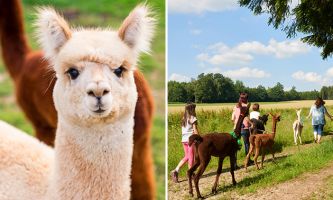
(34, 84)
(261, 142)
(219, 145)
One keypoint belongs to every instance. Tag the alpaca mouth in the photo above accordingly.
(99, 110)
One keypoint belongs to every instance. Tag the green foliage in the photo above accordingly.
(216, 88)
(326, 92)
(312, 18)
(307, 160)
(276, 92)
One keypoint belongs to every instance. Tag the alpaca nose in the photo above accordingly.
(98, 93)
(98, 90)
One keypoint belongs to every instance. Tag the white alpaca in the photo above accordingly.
(298, 127)
(95, 97)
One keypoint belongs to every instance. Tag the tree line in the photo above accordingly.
(216, 88)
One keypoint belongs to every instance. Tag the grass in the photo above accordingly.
(100, 13)
(308, 160)
(219, 120)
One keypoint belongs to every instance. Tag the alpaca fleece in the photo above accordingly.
(34, 81)
(93, 150)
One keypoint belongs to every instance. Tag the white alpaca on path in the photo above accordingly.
(95, 97)
(298, 127)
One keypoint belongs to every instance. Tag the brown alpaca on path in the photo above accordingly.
(34, 84)
(261, 142)
(214, 144)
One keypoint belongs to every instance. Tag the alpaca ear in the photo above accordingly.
(52, 31)
(138, 28)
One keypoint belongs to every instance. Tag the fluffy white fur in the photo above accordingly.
(25, 164)
(298, 127)
(93, 150)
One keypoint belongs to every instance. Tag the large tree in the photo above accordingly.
(314, 18)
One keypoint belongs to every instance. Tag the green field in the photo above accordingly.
(219, 120)
(101, 13)
(177, 107)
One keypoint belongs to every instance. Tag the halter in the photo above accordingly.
(233, 134)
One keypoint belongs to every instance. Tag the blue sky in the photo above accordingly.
(218, 36)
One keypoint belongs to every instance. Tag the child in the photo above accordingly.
(255, 113)
(245, 132)
(189, 127)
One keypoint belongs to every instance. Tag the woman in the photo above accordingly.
(242, 102)
(318, 111)
(189, 127)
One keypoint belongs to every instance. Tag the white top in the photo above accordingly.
(254, 115)
(187, 131)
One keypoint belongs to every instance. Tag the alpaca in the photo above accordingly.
(215, 144)
(298, 127)
(95, 96)
(258, 126)
(262, 142)
(34, 82)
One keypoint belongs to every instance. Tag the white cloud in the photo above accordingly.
(329, 72)
(179, 78)
(195, 31)
(313, 77)
(200, 6)
(243, 53)
(308, 77)
(246, 72)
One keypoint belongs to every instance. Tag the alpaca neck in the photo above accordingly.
(274, 128)
(239, 123)
(94, 162)
(299, 118)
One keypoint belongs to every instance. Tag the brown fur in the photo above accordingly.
(219, 145)
(261, 142)
(34, 84)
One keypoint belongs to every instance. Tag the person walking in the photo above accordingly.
(318, 112)
(189, 127)
(242, 102)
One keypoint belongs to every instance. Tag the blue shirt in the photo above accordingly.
(318, 115)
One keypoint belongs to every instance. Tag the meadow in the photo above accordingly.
(102, 13)
(219, 120)
(177, 107)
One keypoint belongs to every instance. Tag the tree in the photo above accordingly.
(276, 93)
(204, 88)
(261, 93)
(314, 18)
(176, 92)
(292, 94)
(239, 86)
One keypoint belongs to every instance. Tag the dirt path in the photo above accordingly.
(303, 187)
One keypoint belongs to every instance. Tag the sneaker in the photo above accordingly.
(174, 175)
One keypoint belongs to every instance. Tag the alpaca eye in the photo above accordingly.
(119, 71)
(73, 73)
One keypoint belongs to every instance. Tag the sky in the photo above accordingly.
(218, 36)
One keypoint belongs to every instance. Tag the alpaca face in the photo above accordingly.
(94, 68)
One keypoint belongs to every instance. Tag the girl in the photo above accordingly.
(318, 112)
(189, 127)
